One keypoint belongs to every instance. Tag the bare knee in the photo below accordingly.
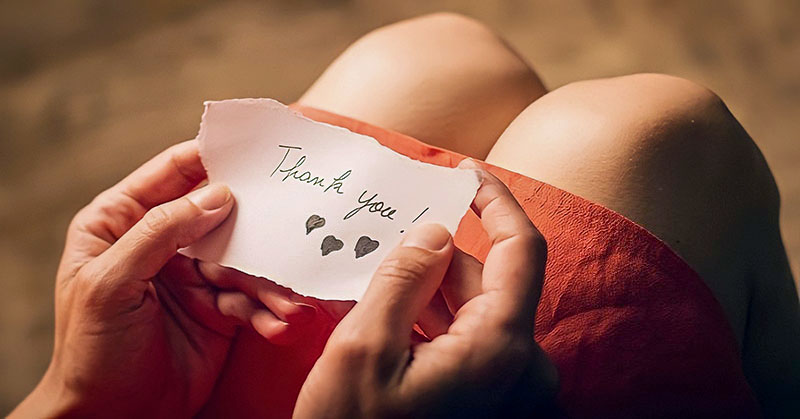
(626, 133)
(660, 112)
(727, 202)
(666, 153)
(686, 126)
(441, 78)
(441, 48)
(651, 109)
(430, 25)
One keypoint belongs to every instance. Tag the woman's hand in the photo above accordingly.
(138, 332)
(485, 363)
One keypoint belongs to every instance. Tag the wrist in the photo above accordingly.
(50, 398)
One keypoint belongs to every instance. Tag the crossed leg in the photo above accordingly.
(660, 150)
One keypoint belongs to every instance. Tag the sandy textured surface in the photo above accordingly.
(90, 89)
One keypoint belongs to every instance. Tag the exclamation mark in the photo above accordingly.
(417, 218)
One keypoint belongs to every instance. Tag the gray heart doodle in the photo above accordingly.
(365, 246)
(330, 244)
(314, 222)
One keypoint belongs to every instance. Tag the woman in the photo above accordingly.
(632, 327)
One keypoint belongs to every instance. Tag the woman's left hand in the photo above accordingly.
(482, 360)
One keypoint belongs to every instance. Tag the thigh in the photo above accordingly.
(649, 147)
(444, 79)
(667, 154)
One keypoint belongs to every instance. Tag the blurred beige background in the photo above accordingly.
(91, 88)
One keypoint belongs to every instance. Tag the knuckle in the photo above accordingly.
(354, 350)
(80, 220)
(84, 277)
(108, 213)
(185, 205)
(177, 156)
(157, 220)
(410, 265)
(360, 348)
(534, 240)
(91, 212)
(90, 284)
(531, 239)
(508, 351)
(519, 348)
(98, 289)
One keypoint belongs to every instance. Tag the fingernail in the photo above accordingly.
(427, 236)
(211, 197)
(305, 315)
(469, 163)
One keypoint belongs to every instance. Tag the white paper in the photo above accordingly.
(288, 172)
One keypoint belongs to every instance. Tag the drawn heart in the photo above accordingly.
(365, 246)
(330, 244)
(314, 222)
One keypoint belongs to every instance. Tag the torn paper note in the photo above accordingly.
(317, 206)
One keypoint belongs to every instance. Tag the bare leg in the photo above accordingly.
(662, 151)
(444, 79)
(668, 154)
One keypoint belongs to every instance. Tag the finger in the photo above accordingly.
(182, 279)
(514, 266)
(276, 298)
(401, 287)
(462, 280)
(273, 329)
(167, 176)
(435, 317)
(237, 305)
(245, 311)
(141, 252)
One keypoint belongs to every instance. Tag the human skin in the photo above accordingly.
(138, 330)
(142, 331)
(663, 151)
(484, 364)
(430, 77)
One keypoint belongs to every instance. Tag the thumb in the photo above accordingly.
(144, 249)
(403, 284)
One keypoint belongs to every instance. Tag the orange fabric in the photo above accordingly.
(632, 329)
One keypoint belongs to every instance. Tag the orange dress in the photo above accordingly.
(631, 328)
